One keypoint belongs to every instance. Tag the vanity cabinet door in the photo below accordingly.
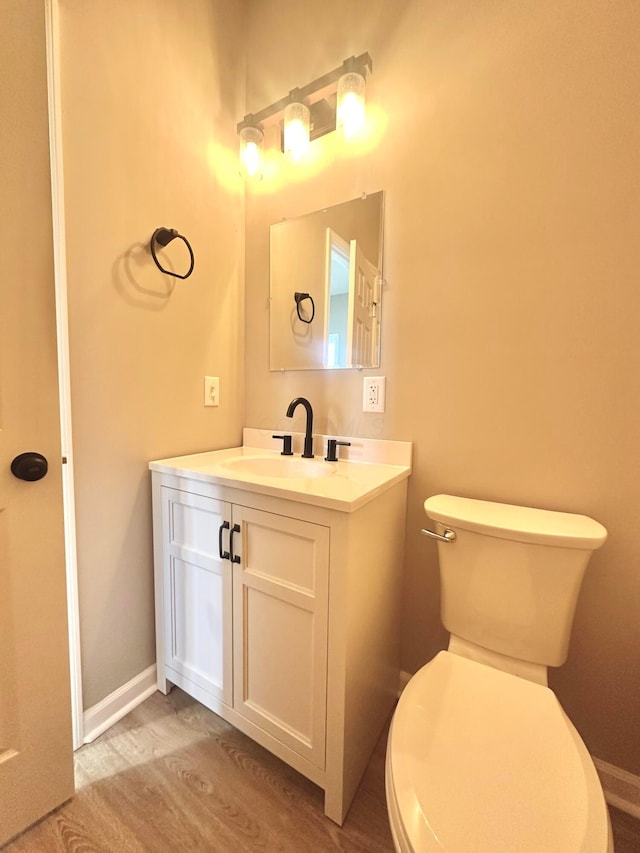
(280, 597)
(197, 596)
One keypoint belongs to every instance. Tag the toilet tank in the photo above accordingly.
(510, 580)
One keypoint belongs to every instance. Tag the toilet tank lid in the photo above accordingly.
(518, 523)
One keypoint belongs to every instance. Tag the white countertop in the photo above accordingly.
(350, 485)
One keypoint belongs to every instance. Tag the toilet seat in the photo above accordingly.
(481, 761)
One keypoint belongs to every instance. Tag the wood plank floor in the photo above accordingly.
(626, 831)
(172, 776)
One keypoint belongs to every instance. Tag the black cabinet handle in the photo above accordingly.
(224, 555)
(234, 557)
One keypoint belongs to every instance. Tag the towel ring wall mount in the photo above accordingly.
(300, 297)
(162, 237)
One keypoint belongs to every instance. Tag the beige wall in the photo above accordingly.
(506, 138)
(151, 92)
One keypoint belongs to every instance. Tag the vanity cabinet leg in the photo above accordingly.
(334, 807)
(164, 686)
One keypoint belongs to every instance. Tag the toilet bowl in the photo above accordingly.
(481, 757)
(482, 761)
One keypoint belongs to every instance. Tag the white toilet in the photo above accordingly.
(481, 758)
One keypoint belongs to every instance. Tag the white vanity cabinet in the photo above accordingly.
(225, 565)
(283, 617)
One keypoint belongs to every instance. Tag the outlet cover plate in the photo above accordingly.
(373, 393)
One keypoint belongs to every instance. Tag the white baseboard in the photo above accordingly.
(621, 788)
(116, 705)
(404, 680)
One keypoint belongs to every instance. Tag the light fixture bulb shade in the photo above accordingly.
(296, 130)
(350, 110)
(251, 152)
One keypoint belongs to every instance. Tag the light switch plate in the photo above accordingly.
(212, 391)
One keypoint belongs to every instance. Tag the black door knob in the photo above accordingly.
(29, 466)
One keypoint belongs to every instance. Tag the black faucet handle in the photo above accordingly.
(286, 445)
(332, 446)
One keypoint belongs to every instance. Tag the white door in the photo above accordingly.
(363, 309)
(36, 759)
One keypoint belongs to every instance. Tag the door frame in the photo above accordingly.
(52, 22)
(333, 241)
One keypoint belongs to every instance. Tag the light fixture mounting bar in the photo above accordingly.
(309, 94)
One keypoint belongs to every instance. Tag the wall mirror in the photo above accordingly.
(325, 286)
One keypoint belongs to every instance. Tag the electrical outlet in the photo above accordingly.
(211, 391)
(373, 393)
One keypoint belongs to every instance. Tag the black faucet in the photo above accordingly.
(308, 434)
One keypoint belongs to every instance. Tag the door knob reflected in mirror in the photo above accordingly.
(29, 466)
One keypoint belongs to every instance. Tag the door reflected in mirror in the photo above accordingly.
(335, 256)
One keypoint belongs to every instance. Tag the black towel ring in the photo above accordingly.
(163, 236)
(300, 297)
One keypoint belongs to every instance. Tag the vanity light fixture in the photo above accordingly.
(296, 127)
(335, 100)
(350, 104)
(250, 151)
